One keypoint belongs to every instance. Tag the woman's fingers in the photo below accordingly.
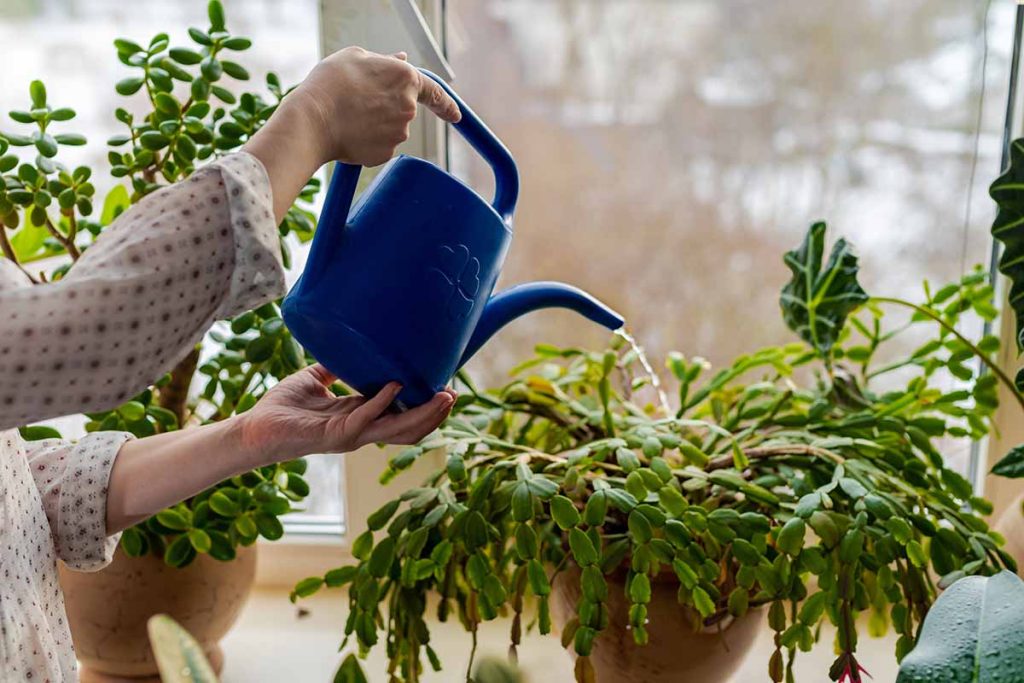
(401, 55)
(412, 425)
(322, 374)
(364, 415)
(434, 98)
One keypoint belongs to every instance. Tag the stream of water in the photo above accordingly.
(646, 364)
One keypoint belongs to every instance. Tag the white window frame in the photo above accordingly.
(313, 545)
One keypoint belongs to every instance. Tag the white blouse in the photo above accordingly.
(135, 303)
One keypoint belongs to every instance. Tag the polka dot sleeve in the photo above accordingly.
(72, 481)
(141, 297)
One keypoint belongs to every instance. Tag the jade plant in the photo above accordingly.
(190, 115)
(804, 480)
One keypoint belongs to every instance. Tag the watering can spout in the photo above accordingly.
(513, 302)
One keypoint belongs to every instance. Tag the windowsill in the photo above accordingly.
(271, 642)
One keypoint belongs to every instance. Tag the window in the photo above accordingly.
(670, 152)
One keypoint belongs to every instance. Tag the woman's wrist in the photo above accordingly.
(291, 148)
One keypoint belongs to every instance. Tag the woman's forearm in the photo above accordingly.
(289, 150)
(152, 473)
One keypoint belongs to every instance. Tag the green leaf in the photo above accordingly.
(582, 548)
(183, 55)
(260, 349)
(381, 558)
(153, 140)
(350, 671)
(167, 103)
(538, 578)
(306, 587)
(237, 43)
(596, 509)
(526, 542)
(269, 526)
(971, 634)
(1008, 228)
(38, 432)
(522, 502)
(564, 513)
(129, 86)
(38, 92)
(70, 139)
(1011, 465)
(215, 10)
(791, 536)
(133, 542)
(336, 578)
(816, 302)
(116, 202)
(235, 70)
(223, 505)
(211, 69)
(179, 552)
(639, 589)
(378, 519)
(132, 411)
(47, 145)
(172, 519)
(200, 540)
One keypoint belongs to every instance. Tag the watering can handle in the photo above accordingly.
(487, 144)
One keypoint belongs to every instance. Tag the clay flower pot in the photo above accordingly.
(108, 610)
(674, 652)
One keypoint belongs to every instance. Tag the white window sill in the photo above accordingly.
(271, 642)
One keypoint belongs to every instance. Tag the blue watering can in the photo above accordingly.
(401, 290)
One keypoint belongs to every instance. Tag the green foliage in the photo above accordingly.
(971, 634)
(1008, 228)
(186, 115)
(817, 300)
(787, 472)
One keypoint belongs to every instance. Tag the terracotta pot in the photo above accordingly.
(674, 652)
(108, 610)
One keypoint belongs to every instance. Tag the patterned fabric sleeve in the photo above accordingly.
(72, 481)
(141, 297)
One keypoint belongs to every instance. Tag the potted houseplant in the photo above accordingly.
(183, 557)
(971, 635)
(787, 483)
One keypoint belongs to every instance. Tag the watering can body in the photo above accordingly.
(398, 287)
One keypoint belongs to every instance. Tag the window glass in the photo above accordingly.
(670, 152)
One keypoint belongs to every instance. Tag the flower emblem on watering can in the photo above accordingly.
(455, 277)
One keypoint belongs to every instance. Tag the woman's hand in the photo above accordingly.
(297, 417)
(354, 106)
(361, 104)
(300, 416)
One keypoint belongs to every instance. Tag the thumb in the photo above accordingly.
(437, 100)
(401, 55)
(322, 374)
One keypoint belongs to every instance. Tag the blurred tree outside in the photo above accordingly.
(670, 152)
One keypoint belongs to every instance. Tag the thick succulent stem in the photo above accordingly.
(174, 394)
